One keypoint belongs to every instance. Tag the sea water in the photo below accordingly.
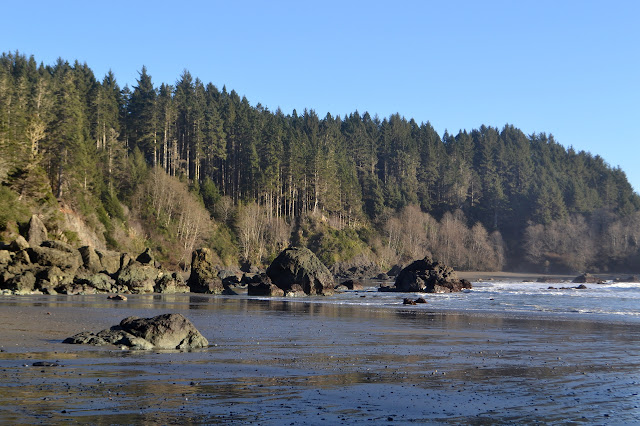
(610, 301)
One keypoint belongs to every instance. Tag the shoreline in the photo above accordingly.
(271, 362)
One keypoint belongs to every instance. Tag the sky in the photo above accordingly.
(567, 68)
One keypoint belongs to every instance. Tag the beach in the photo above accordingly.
(307, 361)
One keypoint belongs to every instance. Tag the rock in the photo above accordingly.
(428, 276)
(5, 257)
(352, 285)
(295, 291)
(382, 277)
(204, 275)
(360, 267)
(586, 279)
(394, 271)
(145, 257)
(110, 261)
(171, 284)
(236, 289)
(407, 301)
(297, 265)
(421, 300)
(138, 278)
(19, 244)
(56, 254)
(101, 282)
(23, 283)
(52, 277)
(37, 233)
(262, 286)
(90, 259)
(168, 331)
(117, 297)
(59, 245)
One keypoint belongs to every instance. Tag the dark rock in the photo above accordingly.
(168, 331)
(353, 285)
(228, 273)
(394, 271)
(407, 301)
(428, 276)
(46, 364)
(262, 286)
(382, 277)
(117, 297)
(421, 300)
(204, 275)
(586, 279)
(236, 289)
(145, 257)
(298, 265)
(37, 233)
(360, 267)
(581, 287)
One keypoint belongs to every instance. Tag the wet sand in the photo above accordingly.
(302, 362)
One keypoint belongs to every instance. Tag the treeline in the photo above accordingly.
(353, 172)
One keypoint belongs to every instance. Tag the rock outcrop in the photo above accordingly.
(55, 267)
(428, 276)
(299, 266)
(204, 276)
(168, 331)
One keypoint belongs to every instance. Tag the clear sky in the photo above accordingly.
(567, 68)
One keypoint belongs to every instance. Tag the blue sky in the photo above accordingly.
(569, 68)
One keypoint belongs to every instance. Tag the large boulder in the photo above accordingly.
(37, 233)
(428, 276)
(56, 253)
(167, 331)
(138, 278)
(204, 274)
(298, 265)
(587, 278)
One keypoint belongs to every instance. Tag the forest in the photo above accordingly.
(179, 166)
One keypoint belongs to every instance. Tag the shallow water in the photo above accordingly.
(343, 359)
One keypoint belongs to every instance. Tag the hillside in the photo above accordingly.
(173, 167)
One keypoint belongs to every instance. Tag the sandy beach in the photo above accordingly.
(304, 362)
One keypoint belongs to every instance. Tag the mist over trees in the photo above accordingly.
(199, 165)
